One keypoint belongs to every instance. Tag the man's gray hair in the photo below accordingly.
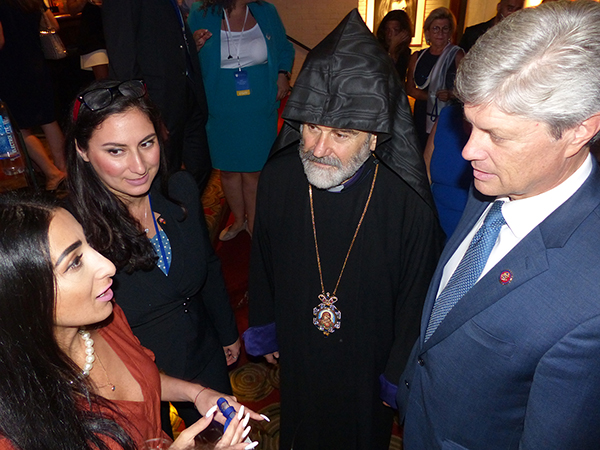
(540, 63)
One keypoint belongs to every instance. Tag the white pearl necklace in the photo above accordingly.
(90, 358)
(89, 352)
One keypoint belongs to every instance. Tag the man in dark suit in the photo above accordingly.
(504, 9)
(509, 351)
(149, 39)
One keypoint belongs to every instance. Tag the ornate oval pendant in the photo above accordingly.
(327, 318)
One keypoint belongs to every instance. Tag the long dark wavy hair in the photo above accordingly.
(109, 227)
(44, 403)
(399, 16)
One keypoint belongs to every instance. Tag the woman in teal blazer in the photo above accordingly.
(245, 60)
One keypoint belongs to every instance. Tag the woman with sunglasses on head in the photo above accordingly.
(431, 72)
(72, 375)
(168, 280)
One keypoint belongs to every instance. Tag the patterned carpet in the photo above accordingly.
(214, 204)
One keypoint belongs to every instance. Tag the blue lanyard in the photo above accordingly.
(160, 243)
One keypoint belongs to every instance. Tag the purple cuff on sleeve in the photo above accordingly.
(388, 391)
(261, 340)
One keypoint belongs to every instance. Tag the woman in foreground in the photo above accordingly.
(152, 227)
(72, 375)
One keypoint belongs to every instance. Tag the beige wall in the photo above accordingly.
(309, 21)
(480, 11)
(483, 10)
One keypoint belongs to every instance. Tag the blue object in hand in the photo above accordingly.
(227, 410)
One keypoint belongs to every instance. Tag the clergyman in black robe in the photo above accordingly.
(333, 380)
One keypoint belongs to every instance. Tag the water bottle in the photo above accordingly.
(11, 159)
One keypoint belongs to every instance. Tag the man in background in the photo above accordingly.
(504, 9)
(149, 40)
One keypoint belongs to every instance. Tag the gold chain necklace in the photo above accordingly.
(327, 318)
(108, 383)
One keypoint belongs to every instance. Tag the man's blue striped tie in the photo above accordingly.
(468, 271)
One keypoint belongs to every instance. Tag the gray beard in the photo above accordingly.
(336, 173)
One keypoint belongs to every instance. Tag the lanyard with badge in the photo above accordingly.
(242, 84)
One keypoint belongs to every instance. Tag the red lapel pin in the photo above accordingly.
(506, 277)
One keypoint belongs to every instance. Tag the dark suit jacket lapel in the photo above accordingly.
(525, 261)
(473, 211)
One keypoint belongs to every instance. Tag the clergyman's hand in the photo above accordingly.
(232, 352)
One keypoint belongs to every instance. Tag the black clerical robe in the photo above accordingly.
(330, 385)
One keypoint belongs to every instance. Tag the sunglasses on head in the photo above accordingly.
(100, 98)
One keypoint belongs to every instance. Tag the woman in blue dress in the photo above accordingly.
(246, 61)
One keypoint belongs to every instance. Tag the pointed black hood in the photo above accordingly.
(348, 81)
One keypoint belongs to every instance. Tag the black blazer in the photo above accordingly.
(185, 317)
(473, 33)
(144, 40)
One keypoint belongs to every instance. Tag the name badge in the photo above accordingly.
(242, 84)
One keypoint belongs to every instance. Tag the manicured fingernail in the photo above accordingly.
(241, 413)
(246, 431)
(265, 417)
(246, 419)
(211, 411)
(251, 446)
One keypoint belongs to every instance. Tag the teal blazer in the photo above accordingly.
(280, 50)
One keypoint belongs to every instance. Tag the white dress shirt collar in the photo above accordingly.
(521, 217)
